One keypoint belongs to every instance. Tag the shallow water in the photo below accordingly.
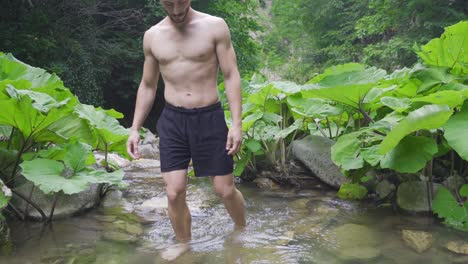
(285, 226)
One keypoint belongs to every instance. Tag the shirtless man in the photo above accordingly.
(187, 48)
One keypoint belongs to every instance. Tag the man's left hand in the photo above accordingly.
(234, 140)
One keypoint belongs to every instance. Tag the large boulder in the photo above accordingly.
(315, 153)
(66, 205)
(412, 196)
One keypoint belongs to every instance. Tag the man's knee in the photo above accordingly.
(226, 191)
(174, 194)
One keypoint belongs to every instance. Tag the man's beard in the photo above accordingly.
(179, 19)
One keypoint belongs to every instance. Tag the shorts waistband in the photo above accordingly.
(182, 109)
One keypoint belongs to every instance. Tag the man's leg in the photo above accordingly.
(233, 200)
(176, 183)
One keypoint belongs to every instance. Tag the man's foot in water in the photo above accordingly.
(175, 251)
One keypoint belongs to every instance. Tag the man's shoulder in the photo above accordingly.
(155, 29)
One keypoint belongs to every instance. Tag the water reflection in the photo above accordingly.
(286, 226)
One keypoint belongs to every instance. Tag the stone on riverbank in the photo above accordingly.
(66, 205)
(420, 241)
(457, 247)
(412, 196)
(315, 153)
(384, 189)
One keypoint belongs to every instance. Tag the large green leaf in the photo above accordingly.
(13, 69)
(450, 50)
(49, 176)
(398, 104)
(41, 101)
(455, 131)
(111, 135)
(28, 120)
(446, 206)
(431, 77)
(410, 155)
(346, 152)
(426, 117)
(249, 120)
(53, 176)
(347, 87)
(451, 98)
(290, 129)
(371, 155)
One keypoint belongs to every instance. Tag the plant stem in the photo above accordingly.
(319, 128)
(27, 204)
(430, 191)
(44, 217)
(11, 138)
(329, 128)
(53, 207)
(17, 212)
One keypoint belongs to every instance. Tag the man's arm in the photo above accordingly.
(228, 64)
(145, 95)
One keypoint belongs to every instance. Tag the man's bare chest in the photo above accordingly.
(192, 47)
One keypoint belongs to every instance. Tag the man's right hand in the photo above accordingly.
(132, 144)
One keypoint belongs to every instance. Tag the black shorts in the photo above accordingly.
(199, 134)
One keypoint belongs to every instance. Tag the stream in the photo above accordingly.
(284, 226)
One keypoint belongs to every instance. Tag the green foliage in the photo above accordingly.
(65, 168)
(450, 50)
(352, 191)
(43, 124)
(455, 214)
(455, 131)
(308, 36)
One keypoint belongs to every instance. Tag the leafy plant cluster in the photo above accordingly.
(309, 36)
(401, 121)
(47, 135)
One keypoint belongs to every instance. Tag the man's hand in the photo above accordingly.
(132, 144)
(234, 140)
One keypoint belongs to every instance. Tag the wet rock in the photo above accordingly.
(420, 241)
(356, 242)
(119, 236)
(454, 182)
(111, 158)
(149, 151)
(457, 247)
(352, 236)
(66, 205)
(147, 165)
(325, 211)
(129, 228)
(299, 204)
(149, 138)
(412, 196)
(155, 204)
(315, 153)
(112, 198)
(360, 253)
(266, 183)
(384, 189)
(286, 238)
(106, 218)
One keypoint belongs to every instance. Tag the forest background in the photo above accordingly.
(95, 45)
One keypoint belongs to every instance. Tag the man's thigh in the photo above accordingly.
(176, 180)
(223, 183)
